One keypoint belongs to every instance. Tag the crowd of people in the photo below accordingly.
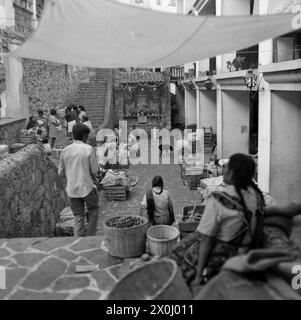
(47, 128)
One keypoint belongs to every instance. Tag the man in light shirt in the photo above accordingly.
(78, 162)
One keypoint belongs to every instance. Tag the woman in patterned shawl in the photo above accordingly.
(232, 223)
(232, 219)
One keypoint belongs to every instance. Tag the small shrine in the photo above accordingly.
(142, 99)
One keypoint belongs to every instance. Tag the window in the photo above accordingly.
(172, 3)
(287, 47)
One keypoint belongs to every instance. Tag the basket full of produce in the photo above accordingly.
(126, 235)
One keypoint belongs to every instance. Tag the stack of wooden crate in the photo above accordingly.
(208, 139)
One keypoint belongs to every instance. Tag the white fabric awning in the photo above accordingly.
(105, 33)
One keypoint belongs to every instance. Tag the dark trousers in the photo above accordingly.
(78, 209)
(52, 143)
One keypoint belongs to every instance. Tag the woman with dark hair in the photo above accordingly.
(232, 223)
(157, 204)
(32, 123)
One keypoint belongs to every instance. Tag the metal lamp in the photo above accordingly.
(250, 80)
(208, 84)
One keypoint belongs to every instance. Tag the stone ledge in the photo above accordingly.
(8, 121)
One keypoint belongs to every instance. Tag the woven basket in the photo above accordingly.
(161, 239)
(27, 139)
(115, 193)
(156, 280)
(126, 242)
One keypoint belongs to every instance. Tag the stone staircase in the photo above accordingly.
(92, 95)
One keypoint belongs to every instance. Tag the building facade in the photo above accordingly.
(264, 122)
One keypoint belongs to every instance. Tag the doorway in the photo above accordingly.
(253, 145)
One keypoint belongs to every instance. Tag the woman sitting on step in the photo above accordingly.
(232, 223)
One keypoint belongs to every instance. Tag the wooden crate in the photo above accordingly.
(190, 226)
(115, 193)
(117, 165)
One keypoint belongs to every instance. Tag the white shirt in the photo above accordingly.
(223, 223)
(79, 162)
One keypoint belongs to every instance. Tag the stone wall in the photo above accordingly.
(9, 130)
(32, 195)
(50, 85)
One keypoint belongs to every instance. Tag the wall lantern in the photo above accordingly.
(208, 84)
(250, 80)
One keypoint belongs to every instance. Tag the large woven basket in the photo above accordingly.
(156, 280)
(126, 242)
(161, 239)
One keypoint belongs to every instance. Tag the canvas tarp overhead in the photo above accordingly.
(106, 33)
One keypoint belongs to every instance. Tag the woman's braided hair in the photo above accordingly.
(243, 168)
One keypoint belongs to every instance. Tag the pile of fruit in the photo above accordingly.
(124, 222)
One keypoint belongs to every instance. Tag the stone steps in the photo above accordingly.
(93, 95)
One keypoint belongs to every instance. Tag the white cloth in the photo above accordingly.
(223, 223)
(100, 154)
(71, 124)
(79, 162)
(128, 36)
(81, 114)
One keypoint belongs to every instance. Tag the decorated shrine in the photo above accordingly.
(142, 99)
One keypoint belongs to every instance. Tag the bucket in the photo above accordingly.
(161, 239)
(156, 280)
(126, 241)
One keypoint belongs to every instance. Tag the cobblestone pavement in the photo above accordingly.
(44, 268)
